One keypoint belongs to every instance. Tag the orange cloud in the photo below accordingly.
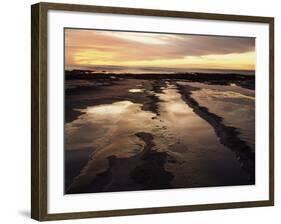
(134, 49)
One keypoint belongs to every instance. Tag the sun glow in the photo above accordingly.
(231, 61)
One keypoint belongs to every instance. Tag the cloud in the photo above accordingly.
(111, 47)
(206, 45)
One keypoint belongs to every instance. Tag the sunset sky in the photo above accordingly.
(113, 50)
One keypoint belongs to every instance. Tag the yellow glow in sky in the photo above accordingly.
(230, 61)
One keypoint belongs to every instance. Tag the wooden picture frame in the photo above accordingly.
(39, 108)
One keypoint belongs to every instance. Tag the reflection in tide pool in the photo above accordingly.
(196, 157)
(136, 90)
(235, 104)
(203, 160)
(109, 126)
(109, 130)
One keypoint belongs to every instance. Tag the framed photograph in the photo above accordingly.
(139, 111)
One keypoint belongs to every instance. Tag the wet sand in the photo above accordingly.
(137, 134)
